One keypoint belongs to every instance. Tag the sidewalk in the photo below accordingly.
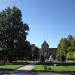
(26, 67)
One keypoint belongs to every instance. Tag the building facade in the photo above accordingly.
(46, 51)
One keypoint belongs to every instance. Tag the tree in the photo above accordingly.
(69, 55)
(42, 59)
(35, 52)
(66, 47)
(62, 48)
(13, 31)
(69, 38)
(25, 52)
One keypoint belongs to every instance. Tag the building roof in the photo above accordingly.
(45, 44)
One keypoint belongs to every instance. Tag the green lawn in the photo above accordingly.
(54, 68)
(62, 68)
(38, 68)
(10, 67)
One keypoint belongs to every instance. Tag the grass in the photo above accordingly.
(52, 68)
(10, 67)
(38, 68)
(62, 68)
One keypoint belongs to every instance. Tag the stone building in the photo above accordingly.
(46, 51)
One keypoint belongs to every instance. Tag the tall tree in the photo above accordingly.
(35, 52)
(24, 52)
(12, 30)
(66, 47)
(62, 48)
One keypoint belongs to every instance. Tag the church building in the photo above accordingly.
(46, 51)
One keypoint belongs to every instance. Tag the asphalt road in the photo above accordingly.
(43, 73)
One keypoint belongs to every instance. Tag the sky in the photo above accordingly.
(48, 20)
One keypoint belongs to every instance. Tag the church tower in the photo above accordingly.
(45, 50)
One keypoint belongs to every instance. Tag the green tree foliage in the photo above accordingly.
(35, 52)
(12, 31)
(71, 40)
(66, 45)
(42, 59)
(62, 48)
(24, 52)
(69, 55)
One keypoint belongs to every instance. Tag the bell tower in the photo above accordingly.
(45, 50)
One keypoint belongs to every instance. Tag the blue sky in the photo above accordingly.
(48, 20)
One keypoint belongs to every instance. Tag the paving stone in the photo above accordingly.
(26, 67)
